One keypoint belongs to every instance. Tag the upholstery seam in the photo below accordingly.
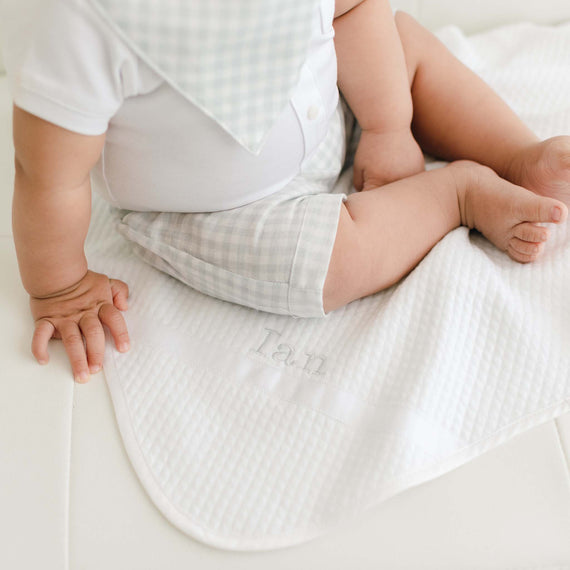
(565, 458)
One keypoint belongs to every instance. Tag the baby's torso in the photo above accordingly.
(163, 153)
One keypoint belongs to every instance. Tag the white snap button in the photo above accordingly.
(312, 112)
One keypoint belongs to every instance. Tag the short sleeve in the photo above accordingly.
(64, 64)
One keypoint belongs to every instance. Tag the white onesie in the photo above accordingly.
(162, 153)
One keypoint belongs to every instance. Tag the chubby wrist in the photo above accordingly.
(389, 118)
(383, 129)
(56, 284)
(403, 134)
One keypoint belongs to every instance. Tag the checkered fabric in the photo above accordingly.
(237, 60)
(272, 254)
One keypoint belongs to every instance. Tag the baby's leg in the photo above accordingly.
(383, 233)
(458, 116)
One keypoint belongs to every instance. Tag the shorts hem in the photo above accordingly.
(311, 261)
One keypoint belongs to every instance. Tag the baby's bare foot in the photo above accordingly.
(506, 214)
(544, 168)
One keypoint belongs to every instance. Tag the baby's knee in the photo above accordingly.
(404, 21)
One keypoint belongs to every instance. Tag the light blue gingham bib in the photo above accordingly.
(237, 60)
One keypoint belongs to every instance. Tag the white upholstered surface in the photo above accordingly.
(478, 15)
(69, 497)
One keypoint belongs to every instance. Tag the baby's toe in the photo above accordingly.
(540, 209)
(524, 251)
(531, 232)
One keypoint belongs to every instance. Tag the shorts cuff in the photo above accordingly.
(312, 256)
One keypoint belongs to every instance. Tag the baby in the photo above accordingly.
(408, 93)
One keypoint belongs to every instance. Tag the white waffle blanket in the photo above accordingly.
(255, 431)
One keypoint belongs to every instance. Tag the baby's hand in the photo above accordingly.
(383, 157)
(78, 312)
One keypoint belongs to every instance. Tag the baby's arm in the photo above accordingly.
(51, 214)
(373, 78)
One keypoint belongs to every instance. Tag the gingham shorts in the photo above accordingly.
(272, 254)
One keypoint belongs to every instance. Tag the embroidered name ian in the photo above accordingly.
(272, 349)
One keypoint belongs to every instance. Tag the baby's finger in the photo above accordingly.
(73, 343)
(42, 333)
(94, 334)
(120, 291)
(111, 317)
